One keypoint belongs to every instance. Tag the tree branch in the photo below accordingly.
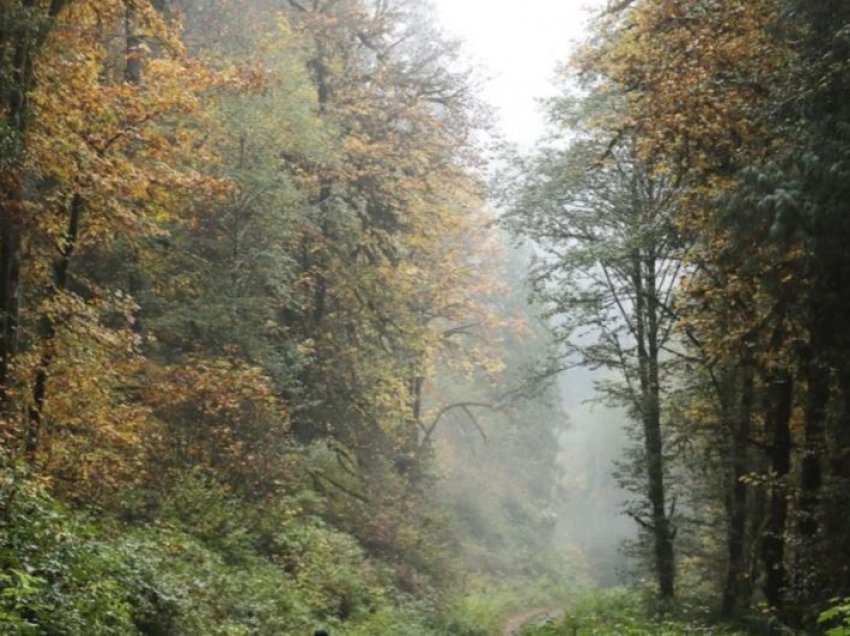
(317, 476)
(429, 431)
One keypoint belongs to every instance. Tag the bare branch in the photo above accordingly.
(475, 421)
(297, 5)
(429, 431)
(641, 522)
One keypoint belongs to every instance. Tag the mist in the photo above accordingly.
(591, 514)
(323, 316)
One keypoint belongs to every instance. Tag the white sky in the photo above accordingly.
(518, 43)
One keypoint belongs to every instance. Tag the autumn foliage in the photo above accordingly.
(741, 106)
(235, 247)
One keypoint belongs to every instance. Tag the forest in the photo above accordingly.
(283, 334)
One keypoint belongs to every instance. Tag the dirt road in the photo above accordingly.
(513, 626)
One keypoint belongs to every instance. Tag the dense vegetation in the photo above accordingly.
(250, 312)
(266, 366)
(691, 222)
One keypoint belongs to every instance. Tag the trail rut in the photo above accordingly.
(513, 626)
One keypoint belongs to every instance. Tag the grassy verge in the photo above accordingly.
(624, 612)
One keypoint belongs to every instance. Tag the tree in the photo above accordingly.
(734, 95)
(817, 213)
(25, 24)
(609, 266)
(105, 161)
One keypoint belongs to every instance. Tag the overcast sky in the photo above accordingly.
(518, 44)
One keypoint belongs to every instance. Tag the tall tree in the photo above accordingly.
(609, 267)
(24, 25)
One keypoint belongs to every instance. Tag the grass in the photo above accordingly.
(623, 612)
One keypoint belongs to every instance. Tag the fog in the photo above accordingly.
(518, 52)
(591, 514)
(590, 518)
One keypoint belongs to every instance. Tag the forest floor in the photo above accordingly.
(513, 626)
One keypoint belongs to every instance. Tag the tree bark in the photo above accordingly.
(11, 215)
(10, 279)
(133, 53)
(737, 569)
(811, 474)
(646, 328)
(48, 328)
(780, 399)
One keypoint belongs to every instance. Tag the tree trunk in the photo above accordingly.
(48, 327)
(10, 279)
(22, 49)
(780, 394)
(133, 52)
(811, 474)
(646, 328)
(410, 452)
(836, 525)
(737, 569)
(11, 214)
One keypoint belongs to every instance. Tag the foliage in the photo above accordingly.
(241, 244)
(618, 611)
(837, 619)
(740, 106)
(209, 564)
(55, 576)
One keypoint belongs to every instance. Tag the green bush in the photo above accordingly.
(204, 563)
(54, 578)
(621, 612)
(837, 618)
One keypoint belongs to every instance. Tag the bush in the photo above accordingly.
(205, 563)
(837, 618)
(54, 578)
(619, 612)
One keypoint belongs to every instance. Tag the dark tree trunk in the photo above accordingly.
(811, 474)
(133, 65)
(661, 528)
(10, 279)
(411, 450)
(836, 524)
(48, 327)
(11, 215)
(840, 438)
(779, 391)
(735, 589)
(646, 328)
